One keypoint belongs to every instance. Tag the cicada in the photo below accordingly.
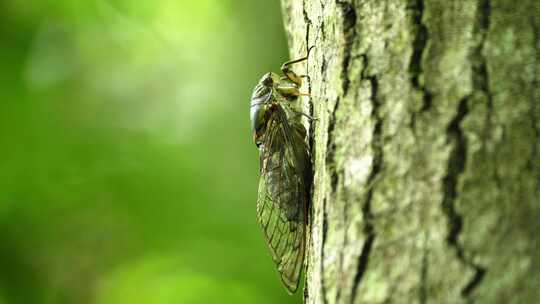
(285, 168)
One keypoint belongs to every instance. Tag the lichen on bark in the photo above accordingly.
(425, 149)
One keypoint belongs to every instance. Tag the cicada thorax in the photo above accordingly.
(271, 91)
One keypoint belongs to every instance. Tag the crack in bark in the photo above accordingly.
(415, 66)
(345, 221)
(331, 159)
(331, 126)
(323, 241)
(331, 145)
(331, 150)
(458, 155)
(321, 20)
(311, 130)
(480, 76)
(307, 20)
(481, 81)
(423, 292)
(456, 166)
(367, 214)
(349, 18)
(311, 133)
(330, 156)
(349, 33)
(480, 70)
(533, 113)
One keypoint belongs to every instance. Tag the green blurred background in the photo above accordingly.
(127, 171)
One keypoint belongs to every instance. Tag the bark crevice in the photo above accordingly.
(419, 46)
(456, 166)
(533, 113)
(307, 20)
(349, 15)
(331, 151)
(458, 156)
(423, 293)
(367, 214)
(480, 67)
(324, 237)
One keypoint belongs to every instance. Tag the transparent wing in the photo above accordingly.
(283, 195)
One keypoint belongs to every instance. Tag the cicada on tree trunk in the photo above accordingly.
(285, 168)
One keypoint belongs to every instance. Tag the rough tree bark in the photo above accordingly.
(426, 149)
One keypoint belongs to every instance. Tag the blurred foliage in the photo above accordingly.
(127, 173)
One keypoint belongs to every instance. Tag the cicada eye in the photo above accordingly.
(267, 79)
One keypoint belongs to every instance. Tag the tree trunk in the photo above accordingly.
(425, 149)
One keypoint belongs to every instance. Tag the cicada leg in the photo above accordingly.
(311, 118)
(289, 90)
(292, 76)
